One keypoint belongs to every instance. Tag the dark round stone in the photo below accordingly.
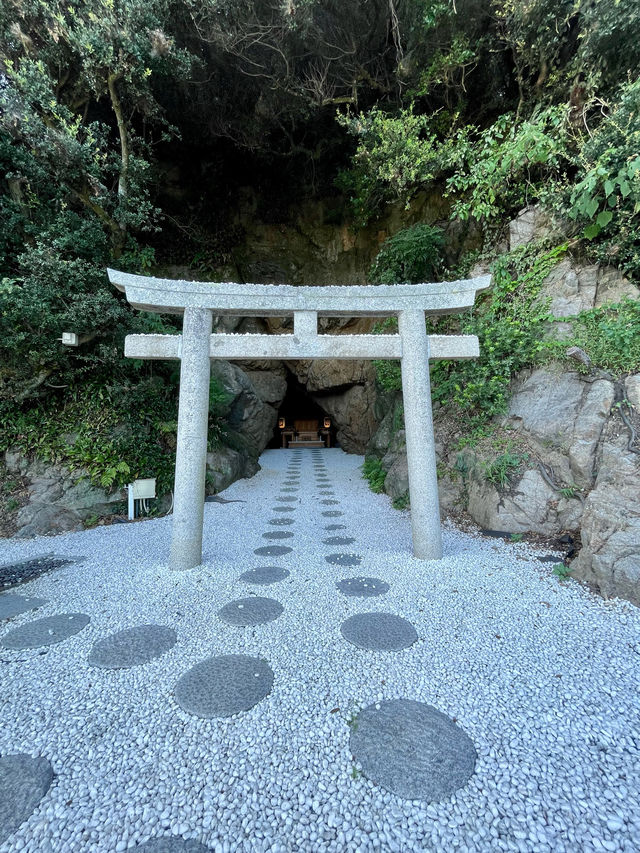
(335, 527)
(132, 647)
(283, 509)
(289, 491)
(282, 522)
(343, 559)
(338, 540)
(329, 502)
(286, 500)
(326, 493)
(412, 750)
(45, 632)
(14, 605)
(23, 783)
(224, 685)
(277, 534)
(383, 632)
(172, 844)
(265, 575)
(273, 550)
(250, 611)
(363, 587)
(332, 513)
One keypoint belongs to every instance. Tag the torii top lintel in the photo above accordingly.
(261, 300)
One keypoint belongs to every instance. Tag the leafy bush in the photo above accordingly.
(606, 200)
(610, 335)
(411, 256)
(373, 471)
(504, 467)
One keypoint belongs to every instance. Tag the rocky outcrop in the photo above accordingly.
(59, 500)
(572, 287)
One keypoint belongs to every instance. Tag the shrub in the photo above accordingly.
(373, 471)
(411, 256)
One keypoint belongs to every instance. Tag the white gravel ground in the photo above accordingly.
(542, 676)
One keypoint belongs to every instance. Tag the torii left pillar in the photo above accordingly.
(191, 451)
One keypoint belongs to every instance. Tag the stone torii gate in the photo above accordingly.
(197, 301)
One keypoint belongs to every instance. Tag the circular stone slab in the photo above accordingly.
(338, 540)
(343, 559)
(283, 509)
(363, 587)
(382, 632)
(329, 502)
(332, 513)
(272, 550)
(289, 491)
(23, 783)
(14, 605)
(265, 575)
(325, 492)
(412, 750)
(335, 527)
(278, 534)
(281, 522)
(250, 611)
(285, 500)
(45, 632)
(224, 685)
(172, 844)
(132, 647)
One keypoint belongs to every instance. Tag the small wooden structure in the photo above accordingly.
(307, 434)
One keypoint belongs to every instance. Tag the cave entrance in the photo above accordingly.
(299, 406)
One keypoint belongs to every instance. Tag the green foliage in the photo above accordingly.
(605, 202)
(610, 335)
(561, 571)
(509, 322)
(497, 171)
(373, 471)
(401, 502)
(411, 256)
(501, 471)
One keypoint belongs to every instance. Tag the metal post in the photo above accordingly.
(191, 451)
(418, 423)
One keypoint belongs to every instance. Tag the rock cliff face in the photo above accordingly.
(575, 437)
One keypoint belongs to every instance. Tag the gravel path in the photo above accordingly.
(536, 685)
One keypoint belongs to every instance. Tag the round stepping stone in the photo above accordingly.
(14, 605)
(278, 534)
(265, 575)
(272, 550)
(290, 491)
(23, 783)
(286, 500)
(383, 632)
(363, 587)
(338, 540)
(250, 611)
(224, 685)
(335, 527)
(329, 502)
(282, 522)
(412, 750)
(283, 509)
(45, 632)
(172, 844)
(326, 493)
(132, 647)
(343, 559)
(332, 513)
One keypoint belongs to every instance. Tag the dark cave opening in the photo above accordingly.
(299, 405)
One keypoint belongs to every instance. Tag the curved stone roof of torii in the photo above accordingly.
(172, 296)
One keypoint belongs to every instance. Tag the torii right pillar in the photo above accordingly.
(418, 424)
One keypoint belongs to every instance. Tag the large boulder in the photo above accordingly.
(225, 466)
(610, 528)
(250, 419)
(353, 413)
(571, 287)
(531, 223)
(563, 415)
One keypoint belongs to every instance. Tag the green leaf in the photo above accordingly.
(604, 218)
(591, 206)
(592, 231)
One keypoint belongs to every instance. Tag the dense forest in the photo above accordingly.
(495, 104)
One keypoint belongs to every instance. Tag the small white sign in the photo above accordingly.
(143, 489)
(70, 339)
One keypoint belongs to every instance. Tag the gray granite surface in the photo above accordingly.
(45, 632)
(23, 783)
(383, 632)
(412, 750)
(132, 646)
(223, 686)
